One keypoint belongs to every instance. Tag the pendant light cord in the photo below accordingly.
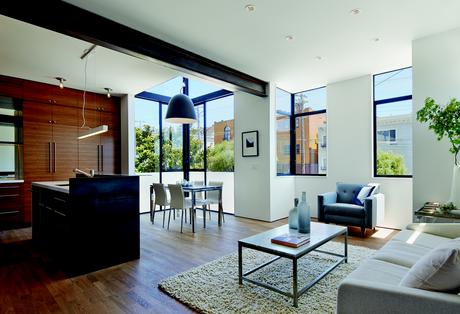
(84, 94)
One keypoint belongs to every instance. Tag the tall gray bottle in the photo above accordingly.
(293, 216)
(303, 212)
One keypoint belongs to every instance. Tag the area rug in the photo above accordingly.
(214, 288)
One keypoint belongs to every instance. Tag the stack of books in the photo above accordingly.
(429, 208)
(292, 239)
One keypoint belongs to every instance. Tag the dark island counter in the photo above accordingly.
(87, 224)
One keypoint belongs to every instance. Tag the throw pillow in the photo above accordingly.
(438, 270)
(359, 197)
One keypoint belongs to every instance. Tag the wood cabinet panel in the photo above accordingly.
(52, 94)
(11, 87)
(38, 137)
(88, 148)
(65, 148)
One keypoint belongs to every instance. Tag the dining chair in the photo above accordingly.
(213, 197)
(160, 198)
(179, 202)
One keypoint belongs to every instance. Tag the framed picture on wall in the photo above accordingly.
(250, 142)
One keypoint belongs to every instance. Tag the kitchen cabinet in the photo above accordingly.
(91, 223)
(11, 205)
(50, 144)
(52, 120)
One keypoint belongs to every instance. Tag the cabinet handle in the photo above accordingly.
(10, 212)
(102, 158)
(59, 213)
(10, 195)
(49, 157)
(55, 148)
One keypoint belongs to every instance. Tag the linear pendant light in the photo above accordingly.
(94, 131)
(102, 128)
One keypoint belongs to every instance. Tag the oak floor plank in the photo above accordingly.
(31, 283)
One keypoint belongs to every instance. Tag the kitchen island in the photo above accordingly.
(87, 224)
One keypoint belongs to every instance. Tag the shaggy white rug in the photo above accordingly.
(214, 288)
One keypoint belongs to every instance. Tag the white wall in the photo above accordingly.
(128, 136)
(436, 72)
(252, 174)
(349, 121)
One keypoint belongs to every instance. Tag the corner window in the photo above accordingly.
(393, 123)
(311, 132)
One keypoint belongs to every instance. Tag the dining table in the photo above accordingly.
(193, 189)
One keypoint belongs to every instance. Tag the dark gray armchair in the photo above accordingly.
(338, 207)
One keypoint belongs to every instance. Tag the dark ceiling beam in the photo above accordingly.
(70, 20)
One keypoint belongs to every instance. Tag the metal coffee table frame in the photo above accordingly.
(294, 256)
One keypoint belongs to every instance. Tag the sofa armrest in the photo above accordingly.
(324, 199)
(359, 296)
(446, 230)
(371, 206)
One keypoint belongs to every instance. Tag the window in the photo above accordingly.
(283, 132)
(393, 124)
(227, 133)
(147, 127)
(219, 139)
(386, 136)
(310, 132)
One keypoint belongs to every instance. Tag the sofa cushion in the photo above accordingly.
(439, 270)
(377, 271)
(401, 253)
(342, 209)
(346, 191)
(420, 239)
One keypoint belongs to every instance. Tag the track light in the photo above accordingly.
(108, 91)
(61, 81)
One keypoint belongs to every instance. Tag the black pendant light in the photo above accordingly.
(181, 110)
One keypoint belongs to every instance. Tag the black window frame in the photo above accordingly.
(162, 100)
(293, 128)
(374, 114)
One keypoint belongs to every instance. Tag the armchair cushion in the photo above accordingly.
(341, 209)
(346, 192)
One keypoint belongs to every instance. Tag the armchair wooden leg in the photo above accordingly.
(363, 231)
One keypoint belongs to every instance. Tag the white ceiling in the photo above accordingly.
(255, 43)
(37, 54)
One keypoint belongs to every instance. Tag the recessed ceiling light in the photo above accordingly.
(289, 38)
(376, 39)
(250, 7)
(355, 11)
(319, 58)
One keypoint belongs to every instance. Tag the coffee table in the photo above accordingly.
(320, 234)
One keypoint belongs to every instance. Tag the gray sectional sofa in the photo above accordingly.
(374, 286)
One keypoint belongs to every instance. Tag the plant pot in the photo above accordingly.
(455, 187)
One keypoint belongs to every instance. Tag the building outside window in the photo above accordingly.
(393, 123)
(311, 133)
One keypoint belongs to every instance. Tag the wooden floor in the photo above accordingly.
(31, 284)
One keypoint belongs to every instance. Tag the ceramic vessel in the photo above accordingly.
(303, 212)
(293, 215)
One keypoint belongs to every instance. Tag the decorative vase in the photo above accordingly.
(303, 212)
(293, 215)
(455, 187)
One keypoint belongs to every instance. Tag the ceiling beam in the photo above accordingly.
(70, 20)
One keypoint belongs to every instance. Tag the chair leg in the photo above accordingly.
(169, 218)
(181, 221)
(164, 214)
(185, 215)
(204, 216)
(363, 231)
(209, 211)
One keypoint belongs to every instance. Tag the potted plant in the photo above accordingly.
(445, 122)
